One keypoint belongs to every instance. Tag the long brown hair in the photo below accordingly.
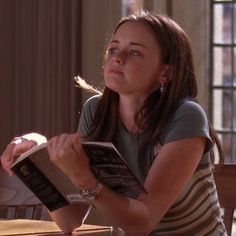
(158, 107)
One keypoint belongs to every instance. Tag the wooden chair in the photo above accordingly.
(225, 179)
(31, 211)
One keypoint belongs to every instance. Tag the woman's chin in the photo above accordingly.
(114, 87)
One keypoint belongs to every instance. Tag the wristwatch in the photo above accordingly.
(91, 194)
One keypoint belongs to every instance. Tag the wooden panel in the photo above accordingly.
(225, 178)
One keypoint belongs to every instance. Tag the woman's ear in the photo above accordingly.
(167, 74)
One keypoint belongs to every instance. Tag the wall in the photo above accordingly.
(193, 16)
(99, 19)
(40, 54)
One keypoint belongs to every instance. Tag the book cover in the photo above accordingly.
(112, 170)
(54, 189)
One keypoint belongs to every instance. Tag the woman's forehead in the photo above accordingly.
(138, 32)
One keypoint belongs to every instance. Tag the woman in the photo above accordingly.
(149, 110)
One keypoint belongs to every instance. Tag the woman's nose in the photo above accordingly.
(118, 59)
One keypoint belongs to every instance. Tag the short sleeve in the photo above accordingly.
(188, 121)
(87, 115)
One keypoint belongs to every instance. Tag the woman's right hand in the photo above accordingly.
(18, 146)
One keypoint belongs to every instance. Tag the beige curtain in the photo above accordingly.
(40, 47)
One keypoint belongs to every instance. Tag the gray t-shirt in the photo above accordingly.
(188, 121)
(196, 211)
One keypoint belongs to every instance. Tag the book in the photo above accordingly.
(55, 190)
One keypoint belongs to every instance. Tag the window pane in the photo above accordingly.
(223, 0)
(223, 23)
(234, 63)
(130, 6)
(217, 109)
(222, 109)
(233, 158)
(226, 141)
(222, 66)
(234, 22)
(227, 113)
(234, 111)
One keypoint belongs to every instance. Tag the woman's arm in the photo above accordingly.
(70, 217)
(67, 218)
(167, 178)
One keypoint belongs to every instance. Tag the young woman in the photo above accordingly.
(149, 110)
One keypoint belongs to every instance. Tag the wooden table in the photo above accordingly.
(49, 228)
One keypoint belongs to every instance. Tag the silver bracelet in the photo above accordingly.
(91, 194)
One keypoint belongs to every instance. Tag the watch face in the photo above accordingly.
(89, 195)
(92, 194)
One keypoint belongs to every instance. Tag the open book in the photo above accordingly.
(54, 189)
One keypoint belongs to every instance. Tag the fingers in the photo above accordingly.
(76, 142)
(16, 147)
(23, 147)
(60, 146)
(23, 144)
(7, 158)
(64, 144)
(65, 151)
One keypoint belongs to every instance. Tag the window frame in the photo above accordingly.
(231, 132)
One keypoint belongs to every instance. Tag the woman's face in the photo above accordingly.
(133, 62)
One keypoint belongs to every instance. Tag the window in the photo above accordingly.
(223, 74)
(130, 6)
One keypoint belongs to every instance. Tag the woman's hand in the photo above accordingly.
(67, 153)
(18, 146)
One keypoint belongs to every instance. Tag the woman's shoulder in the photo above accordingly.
(87, 115)
(190, 106)
(92, 102)
(189, 120)
(191, 110)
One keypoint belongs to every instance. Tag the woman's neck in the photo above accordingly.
(128, 109)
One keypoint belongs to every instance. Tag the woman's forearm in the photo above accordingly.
(133, 216)
(70, 217)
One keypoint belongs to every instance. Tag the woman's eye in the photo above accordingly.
(112, 51)
(134, 53)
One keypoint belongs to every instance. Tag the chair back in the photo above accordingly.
(225, 179)
(33, 211)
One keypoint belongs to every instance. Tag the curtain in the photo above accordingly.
(40, 45)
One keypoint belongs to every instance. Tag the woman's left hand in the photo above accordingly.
(67, 153)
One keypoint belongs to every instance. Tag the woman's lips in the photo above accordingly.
(116, 72)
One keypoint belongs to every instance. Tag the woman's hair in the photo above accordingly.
(159, 107)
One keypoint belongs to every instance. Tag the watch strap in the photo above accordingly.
(91, 194)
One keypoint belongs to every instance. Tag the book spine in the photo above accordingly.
(39, 184)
